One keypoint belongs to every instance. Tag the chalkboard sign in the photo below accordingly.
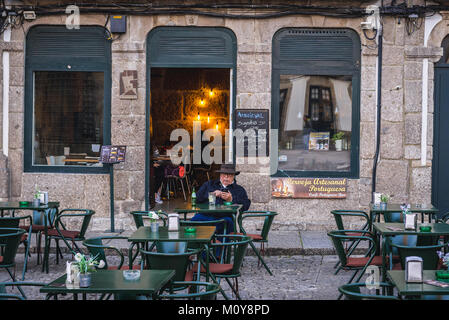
(252, 119)
(112, 154)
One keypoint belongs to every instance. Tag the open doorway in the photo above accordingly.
(178, 97)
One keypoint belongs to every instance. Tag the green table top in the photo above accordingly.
(396, 207)
(29, 206)
(202, 234)
(397, 277)
(112, 281)
(438, 229)
(206, 208)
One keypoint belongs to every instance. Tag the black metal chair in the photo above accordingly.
(15, 222)
(9, 243)
(5, 295)
(60, 232)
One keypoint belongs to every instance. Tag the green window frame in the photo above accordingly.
(317, 52)
(56, 48)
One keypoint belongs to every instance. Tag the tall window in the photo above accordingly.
(315, 102)
(67, 99)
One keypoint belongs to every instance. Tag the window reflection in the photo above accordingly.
(68, 118)
(315, 122)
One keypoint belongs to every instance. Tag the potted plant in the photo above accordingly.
(86, 267)
(337, 138)
(383, 201)
(154, 217)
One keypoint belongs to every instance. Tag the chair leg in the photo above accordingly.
(12, 275)
(183, 191)
(260, 258)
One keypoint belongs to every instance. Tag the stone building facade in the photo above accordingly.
(402, 170)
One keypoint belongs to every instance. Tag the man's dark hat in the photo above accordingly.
(228, 168)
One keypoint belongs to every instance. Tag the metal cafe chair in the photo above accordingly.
(353, 291)
(356, 264)
(9, 243)
(14, 222)
(262, 237)
(60, 232)
(341, 216)
(227, 269)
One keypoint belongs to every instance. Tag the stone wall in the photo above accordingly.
(400, 172)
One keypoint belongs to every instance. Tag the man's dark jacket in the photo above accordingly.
(238, 193)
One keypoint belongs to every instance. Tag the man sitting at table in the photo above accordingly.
(225, 190)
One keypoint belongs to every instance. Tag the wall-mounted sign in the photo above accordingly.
(309, 188)
(128, 84)
(112, 154)
(319, 141)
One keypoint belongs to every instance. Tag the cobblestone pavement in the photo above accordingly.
(294, 277)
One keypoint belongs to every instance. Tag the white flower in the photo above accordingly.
(153, 215)
(101, 264)
(78, 257)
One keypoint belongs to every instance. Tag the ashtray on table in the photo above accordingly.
(425, 228)
(190, 230)
(442, 275)
(227, 203)
(23, 203)
(131, 274)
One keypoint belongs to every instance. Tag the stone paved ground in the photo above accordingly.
(295, 277)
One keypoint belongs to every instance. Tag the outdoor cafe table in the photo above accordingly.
(393, 229)
(112, 282)
(203, 235)
(412, 290)
(376, 211)
(218, 210)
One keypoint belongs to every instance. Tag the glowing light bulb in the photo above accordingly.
(211, 93)
(199, 118)
(208, 117)
(216, 126)
(202, 102)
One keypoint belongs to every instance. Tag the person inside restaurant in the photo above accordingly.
(225, 190)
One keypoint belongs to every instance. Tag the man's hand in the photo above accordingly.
(227, 196)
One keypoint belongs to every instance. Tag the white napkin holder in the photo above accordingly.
(43, 196)
(413, 269)
(410, 220)
(173, 222)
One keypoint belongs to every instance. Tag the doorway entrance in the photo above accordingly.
(188, 99)
(191, 77)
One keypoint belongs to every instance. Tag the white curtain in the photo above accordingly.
(295, 106)
(343, 103)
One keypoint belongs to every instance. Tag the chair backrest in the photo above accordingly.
(339, 214)
(4, 295)
(168, 261)
(352, 291)
(268, 217)
(393, 217)
(427, 253)
(9, 242)
(138, 217)
(97, 248)
(235, 245)
(213, 223)
(339, 237)
(197, 291)
(85, 213)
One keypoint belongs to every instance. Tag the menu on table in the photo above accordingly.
(112, 154)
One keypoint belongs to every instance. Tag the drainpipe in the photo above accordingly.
(5, 120)
(379, 107)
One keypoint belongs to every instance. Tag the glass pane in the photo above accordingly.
(315, 123)
(68, 118)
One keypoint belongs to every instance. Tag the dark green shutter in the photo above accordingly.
(191, 47)
(319, 51)
(56, 48)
